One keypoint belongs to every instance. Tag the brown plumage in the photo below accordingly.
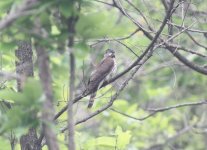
(98, 76)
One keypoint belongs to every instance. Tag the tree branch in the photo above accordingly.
(196, 42)
(191, 30)
(179, 47)
(173, 50)
(140, 12)
(114, 39)
(185, 61)
(154, 111)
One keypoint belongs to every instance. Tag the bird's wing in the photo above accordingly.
(100, 73)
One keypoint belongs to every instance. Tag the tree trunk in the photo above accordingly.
(24, 64)
(24, 67)
(48, 112)
(71, 125)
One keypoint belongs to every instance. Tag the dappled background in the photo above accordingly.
(157, 104)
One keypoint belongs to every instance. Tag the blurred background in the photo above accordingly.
(139, 118)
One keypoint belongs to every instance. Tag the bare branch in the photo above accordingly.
(185, 61)
(140, 12)
(127, 47)
(191, 30)
(196, 42)
(112, 39)
(175, 35)
(104, 3)
(178, 106)
(157, 110)
(179, 47)
(173, 50)
(122, 10)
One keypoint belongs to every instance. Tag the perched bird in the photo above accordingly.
(101, 73)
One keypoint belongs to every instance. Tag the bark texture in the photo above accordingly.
(24, 64)
(24, 67)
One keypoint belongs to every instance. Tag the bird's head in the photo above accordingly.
(109, 53)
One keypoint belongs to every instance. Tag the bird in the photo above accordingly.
(101, 73)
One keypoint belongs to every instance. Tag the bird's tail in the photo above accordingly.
(91, 101)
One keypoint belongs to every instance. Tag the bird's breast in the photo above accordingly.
(115, 66)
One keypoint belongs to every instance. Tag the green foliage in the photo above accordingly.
(101, 142)
(8, 46)
(161, 82)
(5, 5)
(119, 140)
(123, 138)
(25, 107)
(93, 25)
(5, 145)
(66, 8)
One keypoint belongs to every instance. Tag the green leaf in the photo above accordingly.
(83, 49)
(123, 138)
(102, 141)
(92, 26)
(4, 143)
(66, 8)
(7, 46)
(32, 89)
(4, 5)
(121, 104)
(12, 96)
(61, 138)
(55, 30)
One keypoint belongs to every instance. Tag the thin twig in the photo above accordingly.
(173, 50)
(121, 8)
(191, 30)
(157, 110)
(113, 39)
(196, 42)
(140, 12)
(127, 47)
(104, 3)
(179, 47)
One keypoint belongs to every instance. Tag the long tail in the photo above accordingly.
(91, 101)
